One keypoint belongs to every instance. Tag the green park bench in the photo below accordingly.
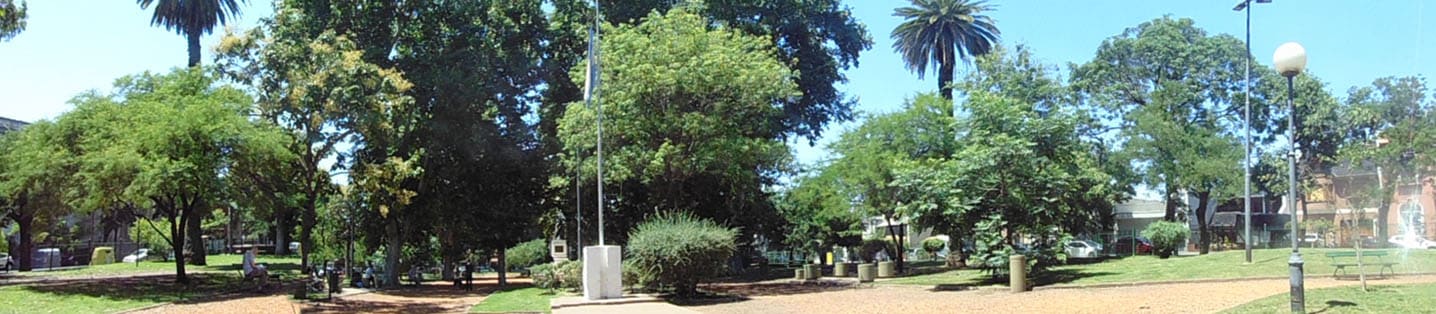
(1348, 258)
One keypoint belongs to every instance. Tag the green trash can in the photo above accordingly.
(840, 269)
(867, 272)
(799, 274)
(102, 255)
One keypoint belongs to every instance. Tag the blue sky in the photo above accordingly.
(71, 46)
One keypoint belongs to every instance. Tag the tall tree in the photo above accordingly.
(941, 33)
(1168, 85)
(34, 172)
(12, 19)
(817, 40)
(319, 88)
(166, 141)
(683, 130)
(191, 18)
(1390, 123)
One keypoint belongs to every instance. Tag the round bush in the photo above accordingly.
(527, 254)
(544, 276)
(570, 275)
(870, 248)
(1166, 237)
(932, 245)
(679, 251)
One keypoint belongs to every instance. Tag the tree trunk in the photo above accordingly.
(194, 229)
(306, 231)
(391, 253)
(447, 267)
(281, 234)
(1203, 230)
(177, 241)
(193, 37)
(1171, 214)
(27, 245)
(1383, 231)
(897, 241)
(947, 68)
(503, 268)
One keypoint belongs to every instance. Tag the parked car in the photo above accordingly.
(1411, 242)
(1083, 249)
(1130, 245)
(137, 256)
(1311, 240)
(7, 262)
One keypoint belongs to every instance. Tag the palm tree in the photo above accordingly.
(943, 31)
(191, 18)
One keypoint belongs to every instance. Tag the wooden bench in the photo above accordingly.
(1378, 255)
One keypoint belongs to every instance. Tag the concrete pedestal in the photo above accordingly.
(602, 272)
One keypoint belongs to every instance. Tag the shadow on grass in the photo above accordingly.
(1334, 305)
(158, 288)
(364, 306)
(719, 293)
(443, 289)
(272, 267)
(1050, 277)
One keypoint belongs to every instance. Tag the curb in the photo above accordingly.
(642, 298)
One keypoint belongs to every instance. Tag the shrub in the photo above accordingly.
(527, 254)
(679, 251)
(1166, 237)
(870, 248)
(933, 245)
(544, 276)
(570, 275)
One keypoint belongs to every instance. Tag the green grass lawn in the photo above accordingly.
(223, 262)
(72, 291)
(531, 299)
(1418, 298)
(1229, 264)
(110, 295)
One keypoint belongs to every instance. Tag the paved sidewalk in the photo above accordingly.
(638, 304)
(1197, 297)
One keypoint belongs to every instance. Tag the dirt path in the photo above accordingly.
(1163, 298)
(432, 297)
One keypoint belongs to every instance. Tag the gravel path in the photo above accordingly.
(1161, 298)
(432, 297)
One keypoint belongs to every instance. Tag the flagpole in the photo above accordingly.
(594, 65)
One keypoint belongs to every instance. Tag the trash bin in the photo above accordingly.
(887, 269)
(812, 271)
(840, 269)
(866, 272)
(333, 280)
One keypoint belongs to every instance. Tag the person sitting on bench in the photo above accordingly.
(253, 270)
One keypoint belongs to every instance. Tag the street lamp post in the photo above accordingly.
(1245, 5)
(1290, 60)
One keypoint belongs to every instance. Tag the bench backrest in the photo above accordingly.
(1353, 253)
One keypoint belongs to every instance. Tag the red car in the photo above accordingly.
(1126, 246)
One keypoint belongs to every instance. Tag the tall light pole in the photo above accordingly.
(1290, 60)
(1245, 5)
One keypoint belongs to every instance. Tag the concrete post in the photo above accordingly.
(1018, 275)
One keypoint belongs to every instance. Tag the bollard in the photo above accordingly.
(866, 272)
(1018, 275)
(887, 269)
